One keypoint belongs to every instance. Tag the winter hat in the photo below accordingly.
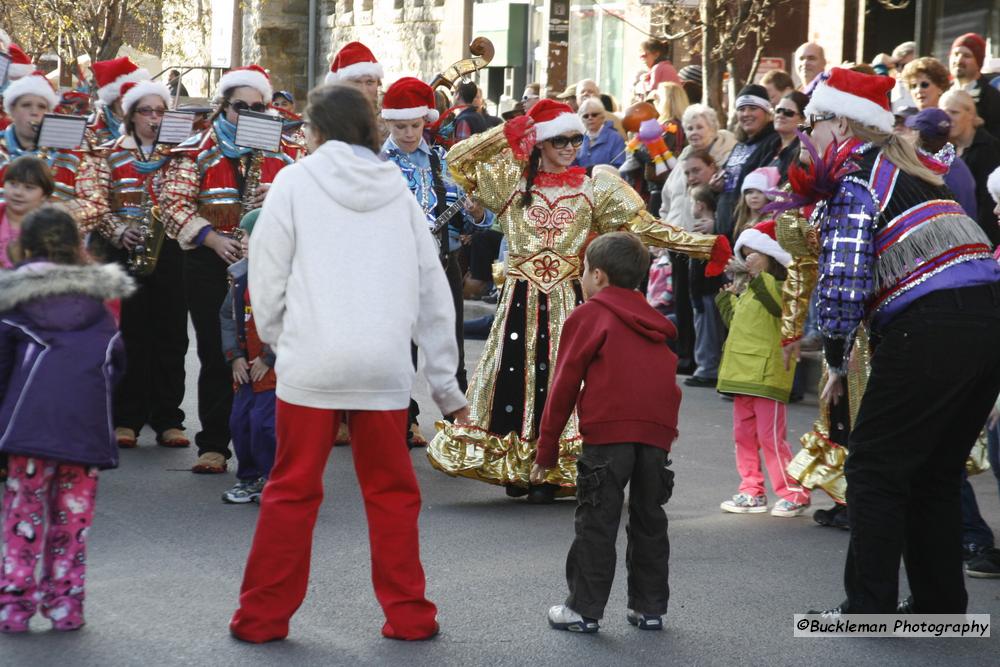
(932, 123)
(553, 118)
(974, 43)
(692, 73)
(764, 179)
(132, 92)
(754, 95)
(409, 99)
(993, 185)
(248, 221)
(860, 97)
(761, 237)
(20, 63)
(252, 76)
(354, 61)
(33, 84)
(111, 74)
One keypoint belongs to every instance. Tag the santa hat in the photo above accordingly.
(974, 43)
(993, 185)
(761, 238)
(409, 99)
(33, 84)
(553, 118)
(252, 76)
(764, 179)
(20, 63)
(132, 92)
(111, 74)
(860, 97)
(353, 61)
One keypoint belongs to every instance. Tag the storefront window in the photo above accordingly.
(596, 44)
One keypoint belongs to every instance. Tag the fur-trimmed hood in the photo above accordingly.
(60, 296)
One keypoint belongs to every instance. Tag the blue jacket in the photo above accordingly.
(607, 148)
(60, 358)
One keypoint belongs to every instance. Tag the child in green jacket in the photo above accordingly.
(754, 372)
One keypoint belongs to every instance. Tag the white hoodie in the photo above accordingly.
(343, 274)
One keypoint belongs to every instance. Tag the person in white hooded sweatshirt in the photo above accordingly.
(344, 273)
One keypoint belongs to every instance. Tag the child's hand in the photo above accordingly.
(240, 368)
(703, 225)
(538, 474)
(756, 263)
(258, 369)
(461, 416)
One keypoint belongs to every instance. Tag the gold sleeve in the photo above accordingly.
(796, 235)
(485, 167)
(179, 201)
(799, 238)
(93, 185)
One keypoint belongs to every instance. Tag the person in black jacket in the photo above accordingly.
(968, 54)
(470, 121)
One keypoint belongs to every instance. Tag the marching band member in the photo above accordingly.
(124, 178)
(106, 123)
(210, 182)
(356, 66)
(547, 210)
(20, 66)
(407, 107)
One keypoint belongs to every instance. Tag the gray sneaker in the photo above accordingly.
(245, 491)
(744, 503)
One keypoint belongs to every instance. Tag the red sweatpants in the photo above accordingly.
(277, 571)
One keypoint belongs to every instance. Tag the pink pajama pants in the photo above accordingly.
(759, 425)
(48, 508)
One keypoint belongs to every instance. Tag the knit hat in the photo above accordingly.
(20, 63)
(409, 99)
(553, 118)
(754, 95)
(33, 84)
(132, 92)
(761, 238)
(692, 73)
(848, 94)
(252, 76)
(248, 221)
(354, 61)
(993, 185)
(932, 123)
(974, 43)
(111, 74)
(764, 179)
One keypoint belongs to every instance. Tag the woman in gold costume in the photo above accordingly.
(547, 211)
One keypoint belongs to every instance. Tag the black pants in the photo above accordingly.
(205, 286)
(483, 251)
(154, 330)
(603, 471)
(935, 373)
(679, 267)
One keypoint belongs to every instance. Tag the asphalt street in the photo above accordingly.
(166, 558)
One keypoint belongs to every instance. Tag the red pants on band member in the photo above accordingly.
(277, 571)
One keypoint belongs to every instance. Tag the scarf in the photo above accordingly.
(113, 125)
(144, 166)
(225, 134)
(15, 151)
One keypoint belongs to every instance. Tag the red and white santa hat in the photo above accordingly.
(354, 61)
(409, 99)
(132, 92)
(20, 63)
(33, 84)
(252, 76)
(764, 179)
(848, 94)
(761, 237)
(993, 185)
(553, 118)
(111, 74)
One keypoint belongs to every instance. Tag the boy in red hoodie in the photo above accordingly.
(616, 344)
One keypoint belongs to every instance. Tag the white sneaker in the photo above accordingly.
(788, 508)
(744, 503)
(562, 617)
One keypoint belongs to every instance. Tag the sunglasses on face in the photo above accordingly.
(562, 141)
(240, 105)
(922, 85)
(150, 111)
(588, 116)
(807, 129)
(787, 113)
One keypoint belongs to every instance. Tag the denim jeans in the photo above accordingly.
(993, 451)
(708, 333)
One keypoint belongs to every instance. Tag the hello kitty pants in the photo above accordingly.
(48, 508)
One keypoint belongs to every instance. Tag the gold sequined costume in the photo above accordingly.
(545, 240)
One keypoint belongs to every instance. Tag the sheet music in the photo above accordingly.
(5, 61)
(61, 131)
(259, 130)
(176, 127)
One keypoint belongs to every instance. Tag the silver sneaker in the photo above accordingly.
(788, 508)
(562, 617)
(744, 503)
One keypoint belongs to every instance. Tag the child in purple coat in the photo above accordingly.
(60, 355)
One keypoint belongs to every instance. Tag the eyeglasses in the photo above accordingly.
(562, 141)
(787, 113)
(150, 111)
(588, 116)
(922, 85)
(808, 128)
(240, 105)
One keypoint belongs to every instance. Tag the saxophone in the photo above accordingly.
(144, 255)
(251, 181)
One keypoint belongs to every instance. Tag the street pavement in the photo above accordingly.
(166, 558)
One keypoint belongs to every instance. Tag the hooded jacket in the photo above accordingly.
(344, 274)
(616, 345)
(60, 357)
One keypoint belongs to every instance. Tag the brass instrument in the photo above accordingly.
(482, 50)
(251, 181)
(142, 258)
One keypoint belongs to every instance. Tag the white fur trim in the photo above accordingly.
(430, 115)
(993, 185)
(826, 99)
(143, 88)
(111, 92)
(561, 124)
(762, 243)
(245, 77)
(356, 71)
(16, 71)
(102, 281)
(29, 85)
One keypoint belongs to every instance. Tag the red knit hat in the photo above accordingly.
(409, 99)
(354, 61)
(252, 76)
(763, 239)
(111, 74)
(974, 43)
(848, 94)
(33, 84)
(20, 63)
